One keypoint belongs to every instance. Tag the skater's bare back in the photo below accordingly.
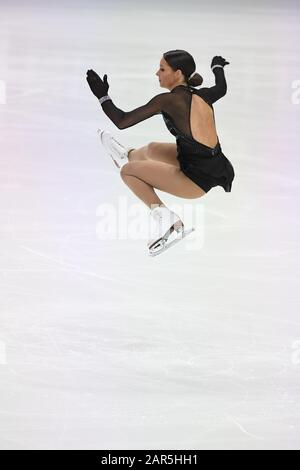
(190, 110)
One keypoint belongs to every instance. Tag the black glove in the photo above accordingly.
(218, 60)
(98, 87)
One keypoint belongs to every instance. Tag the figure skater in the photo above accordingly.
(187, 169)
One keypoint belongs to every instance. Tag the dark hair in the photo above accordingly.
(179, 59)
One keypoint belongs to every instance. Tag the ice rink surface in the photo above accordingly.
(102, 347)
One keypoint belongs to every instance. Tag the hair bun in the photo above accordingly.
(195, 79)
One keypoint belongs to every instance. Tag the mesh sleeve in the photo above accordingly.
(216, 92)
(124, 119)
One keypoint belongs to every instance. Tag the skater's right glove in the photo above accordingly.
(98, 87)
(218, 62)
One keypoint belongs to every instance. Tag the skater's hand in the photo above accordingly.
(218, 60)
(98, 87)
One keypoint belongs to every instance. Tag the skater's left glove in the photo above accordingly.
(98, 87)
(218, 61)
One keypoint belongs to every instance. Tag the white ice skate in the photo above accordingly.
(168, 230)
(117, 151)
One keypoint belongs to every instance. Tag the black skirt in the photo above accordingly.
(207, 167)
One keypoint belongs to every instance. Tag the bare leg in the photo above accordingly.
(143, 177)
(156, 151)
(163, 152)
(142, 190)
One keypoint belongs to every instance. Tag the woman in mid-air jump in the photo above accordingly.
(187, 169)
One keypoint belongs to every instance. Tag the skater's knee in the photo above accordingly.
(152, 149)
(140, 154)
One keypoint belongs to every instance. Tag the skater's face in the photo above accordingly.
(167, 77)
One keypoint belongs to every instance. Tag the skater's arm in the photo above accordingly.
(121, 118)
(220, 88)
(124, 119)
(215, 92)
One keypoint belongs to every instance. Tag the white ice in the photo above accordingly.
(101, 346)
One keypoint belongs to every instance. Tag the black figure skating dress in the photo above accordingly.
(206, 166)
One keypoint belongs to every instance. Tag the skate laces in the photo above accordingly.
(116, 141)
(161, 211)
(165, 217)
(123, 150)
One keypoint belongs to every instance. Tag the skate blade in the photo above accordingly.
(165, 246)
